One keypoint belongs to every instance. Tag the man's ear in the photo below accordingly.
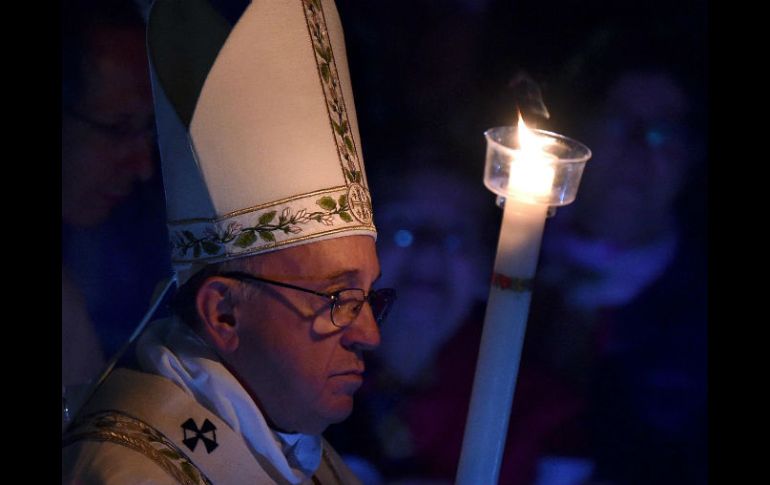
(216, 311)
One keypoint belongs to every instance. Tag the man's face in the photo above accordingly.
(302, 370)
(433, 257)
(107, 135)
(640, 156)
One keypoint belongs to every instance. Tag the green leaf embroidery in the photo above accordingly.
(189, 236)
(197, 250)
(323, 53)
(189, 471)
(267, 236)
(325, 71)
(246, 239)
(355, 176)
(349, 144)
(327, 203)
(346, 217)
(267, 217)
(210, 247)
(343, 200)
(171, 454)
(348, 174)
(340, 129)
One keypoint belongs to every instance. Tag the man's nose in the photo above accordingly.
(363, 333)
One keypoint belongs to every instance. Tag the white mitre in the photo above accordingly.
(257, 129)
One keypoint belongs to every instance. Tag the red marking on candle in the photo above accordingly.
(501, 281)
(504, 282)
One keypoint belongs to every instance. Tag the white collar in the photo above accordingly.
(171, 349)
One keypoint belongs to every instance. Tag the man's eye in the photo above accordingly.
(350, 307)
(349, 299)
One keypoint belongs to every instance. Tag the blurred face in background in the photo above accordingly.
(640, 154)
(107, 134)
(432, 251)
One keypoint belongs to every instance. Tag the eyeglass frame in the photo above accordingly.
(333, 296)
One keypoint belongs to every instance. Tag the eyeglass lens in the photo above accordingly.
(350, 302)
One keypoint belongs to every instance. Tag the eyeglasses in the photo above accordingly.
(345, 304)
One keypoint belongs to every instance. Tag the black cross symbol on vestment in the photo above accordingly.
(199, 434)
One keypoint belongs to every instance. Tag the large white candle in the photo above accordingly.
(530, 189)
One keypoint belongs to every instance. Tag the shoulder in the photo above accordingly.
(155, 422)
(104, 462)
(112, 447)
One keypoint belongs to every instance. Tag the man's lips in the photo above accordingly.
(350, 372)
(349, 380)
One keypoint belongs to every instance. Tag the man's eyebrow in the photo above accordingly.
(346, 275)
(338, 275)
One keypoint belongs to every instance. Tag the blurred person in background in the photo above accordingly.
(107, 118)
(111, 201)
(621, 311)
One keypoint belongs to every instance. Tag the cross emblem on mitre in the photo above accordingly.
(360, 203)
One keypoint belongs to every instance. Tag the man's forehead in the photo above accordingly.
(347, 258)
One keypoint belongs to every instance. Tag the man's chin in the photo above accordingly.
(340, 409)
(331, 414)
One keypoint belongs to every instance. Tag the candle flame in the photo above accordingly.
(530, 174)
(529, 142)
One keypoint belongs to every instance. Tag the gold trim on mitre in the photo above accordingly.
(332, 89)
(271, 226)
